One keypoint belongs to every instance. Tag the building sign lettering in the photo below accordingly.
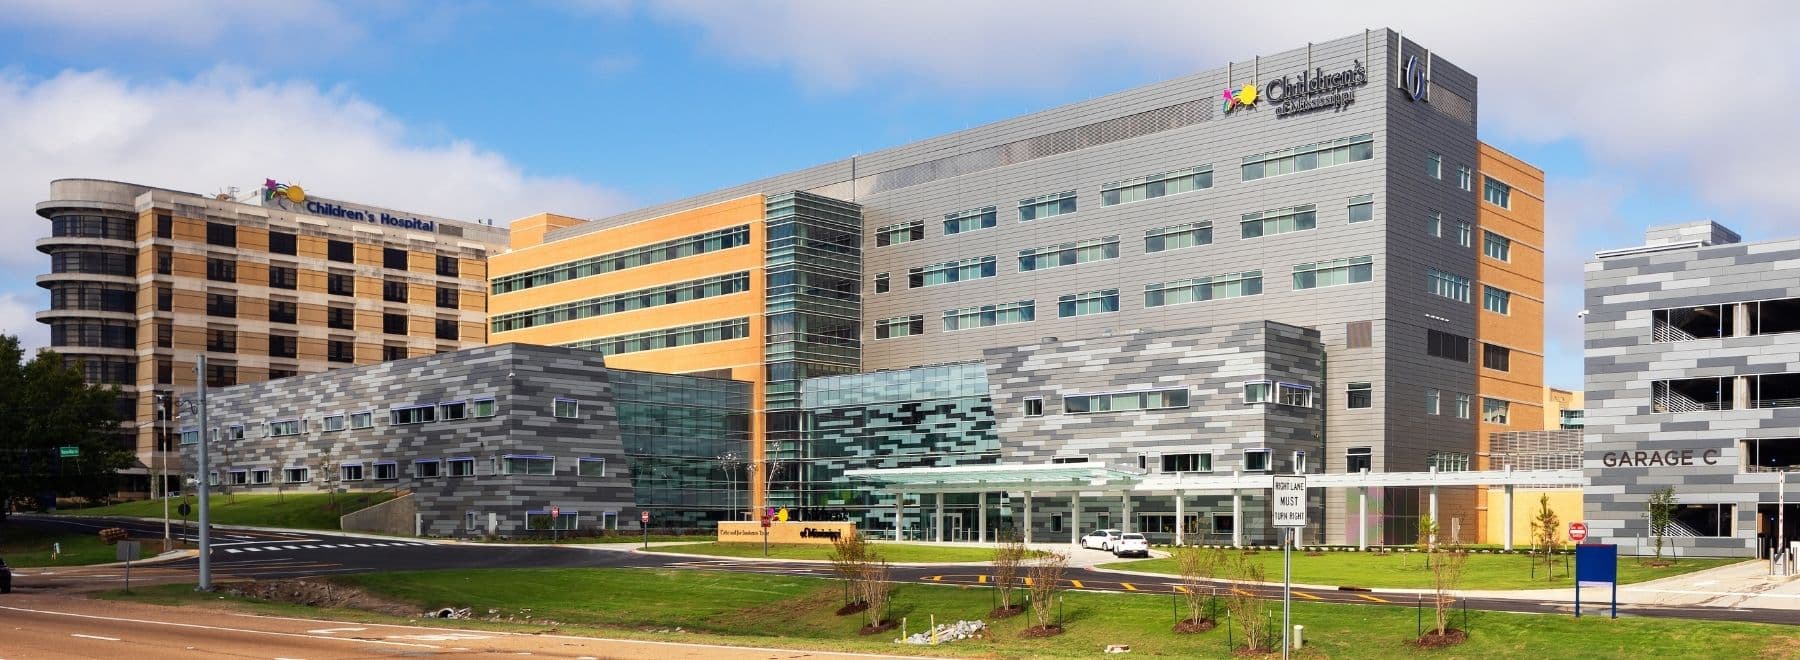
(1316, 89)
(1667, 458)
(293, 198)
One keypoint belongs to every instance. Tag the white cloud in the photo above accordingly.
(17, 312)
(289, 27)
(226, 129)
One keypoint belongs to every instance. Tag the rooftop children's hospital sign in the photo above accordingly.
(1305, 91)
(292, 197)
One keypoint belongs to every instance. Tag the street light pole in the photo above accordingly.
(205, 510)
(162, 453)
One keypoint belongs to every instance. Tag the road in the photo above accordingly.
(270, 555)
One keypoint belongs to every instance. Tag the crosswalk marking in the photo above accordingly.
(1307, 596)
(1077, 584)
(1128, 586)
(981, 579)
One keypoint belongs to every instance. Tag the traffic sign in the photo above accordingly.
(766, 523)
(68, 452)
(1577, 531)
(644, 517)
(1290, 501)
(555, 513)
(126, 550)
(185, 509)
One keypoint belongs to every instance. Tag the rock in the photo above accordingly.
(1118, 648)
(948, 632)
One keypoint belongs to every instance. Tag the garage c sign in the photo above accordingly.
(1667, 458)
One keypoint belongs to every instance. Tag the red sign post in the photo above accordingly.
(555, 519)
(644, 520)
(766, 522)
(1577, 531)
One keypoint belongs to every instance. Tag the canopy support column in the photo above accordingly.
(1074, 518)
(899, 515)
(1180, 518)
(1237, 518)
(937, 523)
(1027, 516)
(1362, 518)
(981, 517)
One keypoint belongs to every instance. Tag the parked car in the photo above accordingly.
(1100, 539)
(5, 578)
(1131, 545)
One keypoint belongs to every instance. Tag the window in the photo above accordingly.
(1434, 224)
(1448, 285)
(1359, 334)
(1187, 462)
(1045, 206)
(1496, 193)
(165, 299)
(220, 269)
(393, 258)
(340, 350)
(990, 315)
(904, 232)
(285, 346)
(165, 225)
(278, 373)
(221, 340)
(219, 304)
(239, 477)
(340, 251)
(340, 284)
(1091, 302)
(190, 436)
(1223, 524)
(461, 467)
(284, 427)
(566, 408)
(453, 410)
(1156, 185)
(281, 242)
(1431, 400)
(970, 220)
(1448, 461)
(165, 335)
(392, 352)
(1465, 177)
(1463, 405)
(1175, 237)
(1498, 358)
(1446, 345)
(393, 324)
(1309, 157)
(1291, 394)
(540, 519)
(333, 422)
(1229, 285)
(1434, 166)
(235, 432)
(283, 311)
(590, 467)
(1299, 462)
(283, 277)
(418, 414)
(951, 271)
(1572, 419)
(259, 477)
(881, 283)
(392, 291)
(447, 329)
(94, 226)
(296, 475)
(387, 471)
(484, 408)
(340, 318)
(1498, 301)
(351, 471)
(531, 465)
(1465, 233)
(1359, 395)
(1278, 221)
(686, 335)
(668, 294)
(900, 326)
(1337, 272)
(1705, 519)
(220, 234)
(644, 255)
(1358, 459)
(1076, 404)
(1698, 322)
(448, 297)
(427, 468)
(362, 420)
(165, 263)
(1258, 391)
(1362, 208)
(1256, 460)
(1034, 407)
(1496, 246)
(1068, 254)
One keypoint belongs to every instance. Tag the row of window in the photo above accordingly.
(644, 255)
(423, 468)
(687, 335)
(624, 302)
(475, 408)
(281, 242)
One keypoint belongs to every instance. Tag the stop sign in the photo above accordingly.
(644, 517)
(1577, 531)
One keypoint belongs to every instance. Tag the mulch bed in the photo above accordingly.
(1451, 637)
(1042, 631)
(852, 608)
(1006, 612)
(1658, 564)
(880, 627)
(1254, 651)
(1189, 626)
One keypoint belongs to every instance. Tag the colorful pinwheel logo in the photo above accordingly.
(1242, 97)
(282, 193)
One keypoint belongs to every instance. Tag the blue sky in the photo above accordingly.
(501, 109)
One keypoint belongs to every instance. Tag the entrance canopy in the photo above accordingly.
(1054, 477)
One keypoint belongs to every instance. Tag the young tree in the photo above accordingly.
(1447, 565)
(1197, 567)
(877, 589)
(849, 558)
(1249, 611)
(1008, 554)
(1661, 506)
(1046, 581)
(1427, 540)
(50, 405)
(1544, 528)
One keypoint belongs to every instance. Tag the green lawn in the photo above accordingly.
(293, 510)
(1407, 570)
(894, 552)
(796, 612)
(26, 547)
(612, 538)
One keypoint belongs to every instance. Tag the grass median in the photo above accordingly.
(797, 612)
(31, 547)
(900, 553)
(1404, 570)
(292, 511)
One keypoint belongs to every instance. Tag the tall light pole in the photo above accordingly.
(205, 513)
(162, 453)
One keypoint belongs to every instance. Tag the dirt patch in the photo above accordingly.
(1451, 637)
(852, 608)
(1190, 626)
(317, 593)
(879, 627)
(1252, 651)
(1006, 612)
(1041, 631)
(1314, 553)
(1658, 564)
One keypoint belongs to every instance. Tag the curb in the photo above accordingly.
(248, 528)
(803, 562)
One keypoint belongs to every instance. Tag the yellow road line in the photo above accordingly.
(1027, 582)
(1077, 584)
(1372, 598)
(981, 579)
(1307, 596)
(1128, 586)
(937, 578)
(1241, 592)
(1182, 589)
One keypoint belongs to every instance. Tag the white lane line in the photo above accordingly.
(253, 549)
(327, 631)
(290, 547)
(205, 627)
(361, 545)
(103, 639)
(233, 550)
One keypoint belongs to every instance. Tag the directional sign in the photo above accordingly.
(1290, 501)
(126, 550)
(1577, 531)
(68, 452)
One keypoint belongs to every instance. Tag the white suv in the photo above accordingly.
(1101, 539)
(1131, 545)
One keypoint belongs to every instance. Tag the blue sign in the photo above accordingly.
(1596, 562)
